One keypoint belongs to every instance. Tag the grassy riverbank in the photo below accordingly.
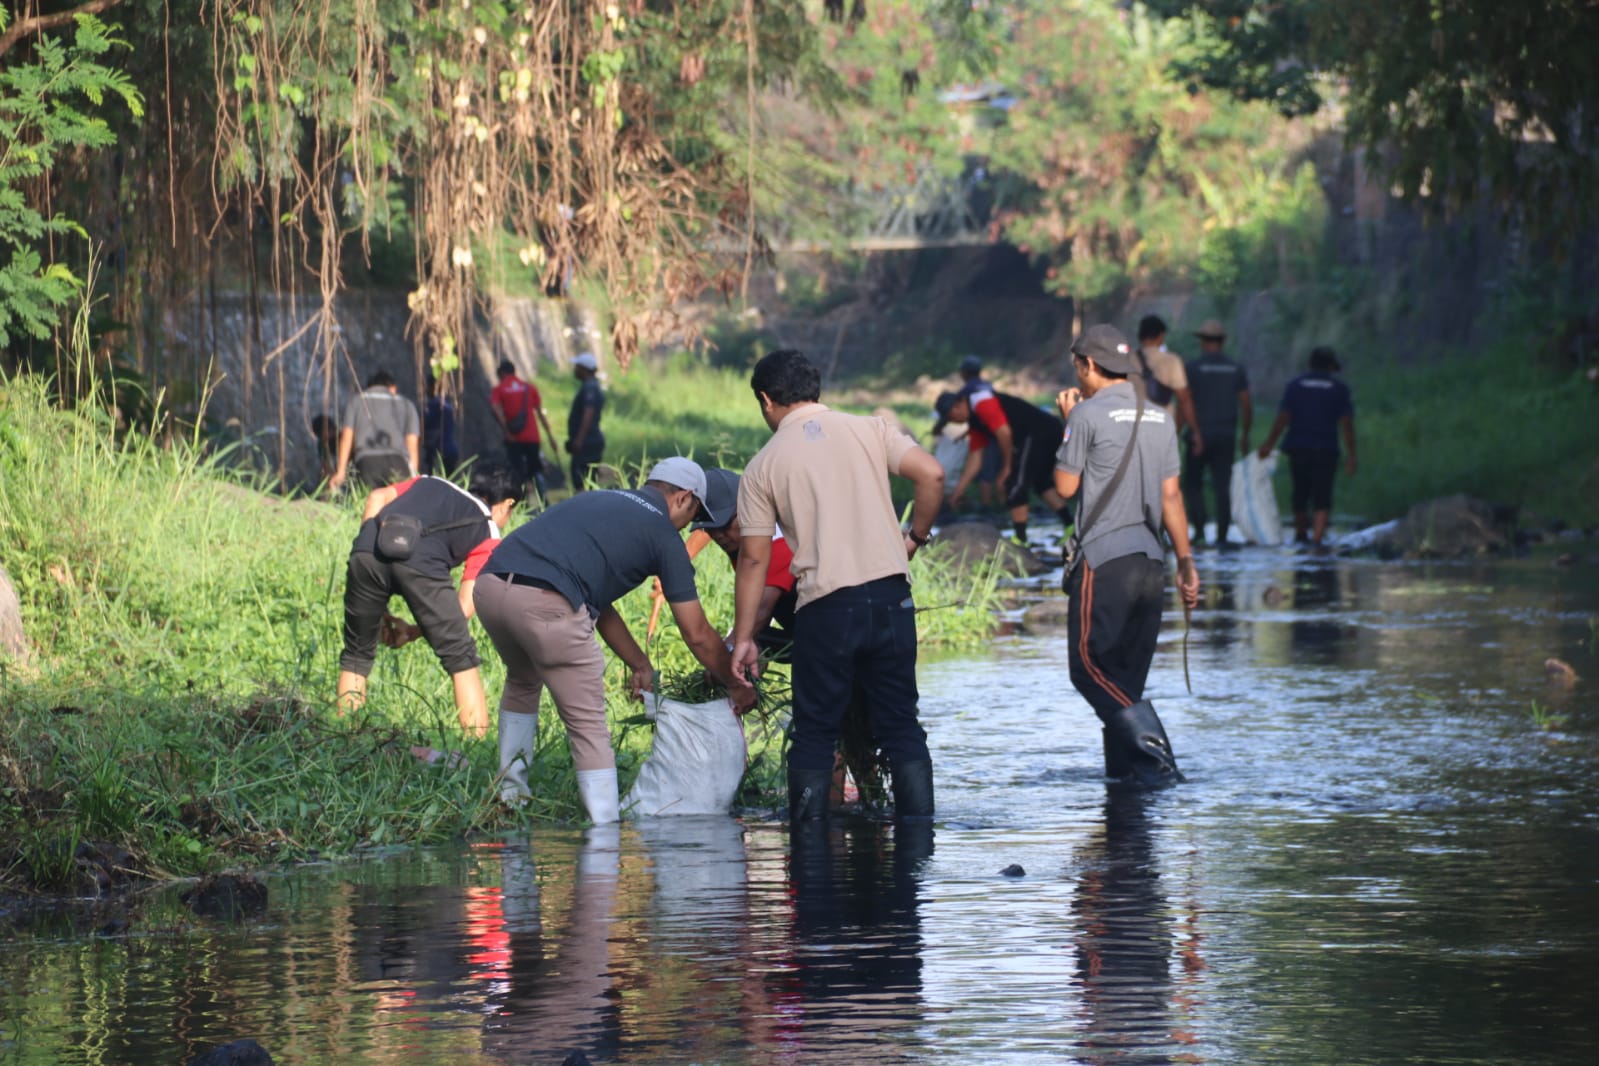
(185, 633)
(1502, 425)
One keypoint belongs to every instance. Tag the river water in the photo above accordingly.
(1387, 852)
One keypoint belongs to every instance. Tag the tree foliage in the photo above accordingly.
(1463, 97)
(50, 104)
(1132, 179)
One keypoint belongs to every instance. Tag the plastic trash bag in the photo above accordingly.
(951, 455)
(1255, 500)
(696, 764)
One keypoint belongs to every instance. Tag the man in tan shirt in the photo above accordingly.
(824, 478)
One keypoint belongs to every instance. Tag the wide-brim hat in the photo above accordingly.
(1211, 330)
(721, 498)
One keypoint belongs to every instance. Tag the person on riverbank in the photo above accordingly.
(380, 433)
(584, 440)
(441, 453)
(824, 478)
(1166, 378)
(549, 588)
(1220, 433)
(448, 527)
(1025, 438)
(1316, 409)
(1129, 488)
(519, 409)
(971, 374)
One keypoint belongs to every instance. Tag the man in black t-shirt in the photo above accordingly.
(548, 589)
(1026, 438)
(457, 527)
(1220, 388)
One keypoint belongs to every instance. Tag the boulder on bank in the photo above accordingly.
(13, 645)
(1447, 528)
(967, 544)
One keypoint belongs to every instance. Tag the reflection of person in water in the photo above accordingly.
(1316, 593)
(1125, 940)
(856, 979)
(555, 994)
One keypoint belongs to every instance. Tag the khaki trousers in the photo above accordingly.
(547, 644)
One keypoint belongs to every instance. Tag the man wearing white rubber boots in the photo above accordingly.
(548, 588)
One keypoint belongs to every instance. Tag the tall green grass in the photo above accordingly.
(186, 635)
(1501, 426)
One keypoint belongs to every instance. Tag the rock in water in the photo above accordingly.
(1013, 870)
(1448, 528)
(969, 543)
(226, 896)
(235, 1053)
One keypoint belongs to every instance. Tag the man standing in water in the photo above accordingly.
(1129, 489)
(1315, 410)
(824, 478)
(1220, 388)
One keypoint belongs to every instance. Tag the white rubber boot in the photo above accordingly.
(597, 790)
(518, 733)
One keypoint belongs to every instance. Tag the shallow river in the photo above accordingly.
(1387, 852)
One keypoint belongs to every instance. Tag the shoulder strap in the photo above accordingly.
(1121, 468)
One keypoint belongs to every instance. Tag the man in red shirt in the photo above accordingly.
(1027, 438)
(519, 409)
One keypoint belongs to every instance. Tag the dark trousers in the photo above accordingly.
(1112, 627)
(382, 469)
(580, 469)
(863, 636)
(1313, 473)
(368, 584)
(527, 462)
(1218, 459)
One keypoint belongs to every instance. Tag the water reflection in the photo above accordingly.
(1381, 856)
(1125, 941)
(546, 956)
(854, 983)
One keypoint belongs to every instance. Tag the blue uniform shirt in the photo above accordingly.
(1315, 403)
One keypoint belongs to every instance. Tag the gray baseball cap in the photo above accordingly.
(721, 498)
(684, 473)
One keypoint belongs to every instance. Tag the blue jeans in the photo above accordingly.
(860, 637)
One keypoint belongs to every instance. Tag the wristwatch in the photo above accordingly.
(919, 541)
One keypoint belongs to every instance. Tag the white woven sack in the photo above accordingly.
(696, 764)
(1255, 500)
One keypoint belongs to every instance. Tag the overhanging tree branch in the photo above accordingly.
(39, 23)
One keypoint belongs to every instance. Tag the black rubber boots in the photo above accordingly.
(1136, 749)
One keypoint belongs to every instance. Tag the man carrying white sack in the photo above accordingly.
(548, 589)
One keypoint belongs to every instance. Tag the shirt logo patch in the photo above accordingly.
(813, 430)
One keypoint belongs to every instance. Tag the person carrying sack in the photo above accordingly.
(1121, 455)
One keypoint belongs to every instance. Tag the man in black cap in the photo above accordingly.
(1117, 581)
(1025, 438)
(1220, 388)
(1315, 410)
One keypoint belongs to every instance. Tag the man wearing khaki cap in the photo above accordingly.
(548, 588)
(1220, 389)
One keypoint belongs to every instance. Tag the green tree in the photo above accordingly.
(1462, 98)
(1132, 179)
(51, 103)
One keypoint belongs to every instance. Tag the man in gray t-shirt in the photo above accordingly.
(547, 591)
(1117, 585)
(381, 432)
